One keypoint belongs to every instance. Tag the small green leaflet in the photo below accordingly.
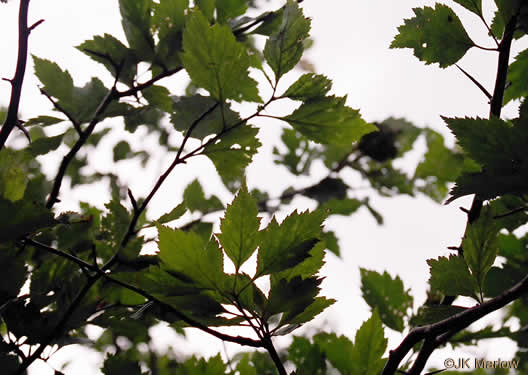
(239, 227)
(309, 86)
(207, 7)
(285, 47)
(13, 174)
(228, 9)
(233, 152)
(158, 96)
(194, 199)
(136, 15)
(436, 36)
(388, 296)
(43, 121)
(291, 297)
(308, 267)
(110, 52)
(188, 110)
(480, 245)
(451, 276)
(57, 83)
(329, 121)
(216, 61)
(337, 350)
(42, 146)
(186, 253)
(288, 244)
(174, 214)
(517, 76)
(474, 6)
(369, 345)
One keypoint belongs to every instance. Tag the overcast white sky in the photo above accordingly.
(351, 47)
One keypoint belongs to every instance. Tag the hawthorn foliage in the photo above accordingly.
(65, 271)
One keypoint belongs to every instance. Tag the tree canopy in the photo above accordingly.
(65, 271)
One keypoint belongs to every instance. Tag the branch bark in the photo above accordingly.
(11, 120)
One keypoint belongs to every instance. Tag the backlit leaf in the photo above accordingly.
(284, 47)
(239, 227)
(388, 296)
(216, 61)
(436, 36)
(329, 120)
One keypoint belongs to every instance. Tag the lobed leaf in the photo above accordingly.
(240, 225)
(216, 61)
(387, 296)
(327, 120)
(436, 36)
(284, 48)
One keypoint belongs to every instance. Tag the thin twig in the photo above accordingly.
(61, 109)
(477, 83)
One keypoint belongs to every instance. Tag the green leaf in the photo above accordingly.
(233, 153)
(331, 242)
(168, 20)
(480, 245)
(136, 15)
(228, 9)
(309, 86)
(122, 151)
(285, 47)
(436, 36)
(388, 296)
(22, 217)
(44, 145)
(188, 110)
(517, 76)
(308, 267)
(43, 121)
(114, 55)
(439, 167)
(186, 253)
(291, 297)
(216, 61)
(328, 120)
(207, 7)
(174, 214)
(299, 155)
(240, 225)
(315, 308)
(158, 96)
(288, 244)
(13, 173)
(57, 83)
(308, 358)
(369, 346)
(474, 6)
(499, 148)
(344, 207)
(194, 199)
(337, 350)
(451, 276)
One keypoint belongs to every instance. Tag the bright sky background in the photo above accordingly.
(351, 48)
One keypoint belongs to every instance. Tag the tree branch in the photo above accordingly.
(16, 83)
(452, 324)
(100, 273)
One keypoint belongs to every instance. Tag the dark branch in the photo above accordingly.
(59, 108)
(17, 81)
(477, 83)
